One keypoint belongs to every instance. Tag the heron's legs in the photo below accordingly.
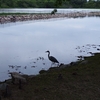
(55, 64)
(52, 64)
(58, 65)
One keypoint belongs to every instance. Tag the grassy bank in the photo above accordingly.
(80, 81)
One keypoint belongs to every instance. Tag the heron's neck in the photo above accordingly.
(48, 54)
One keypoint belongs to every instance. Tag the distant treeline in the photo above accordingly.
(49, 4)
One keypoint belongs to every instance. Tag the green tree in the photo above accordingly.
(98, 4)
(58, 3)
(91, 4)
(49, 3)
(77, 3)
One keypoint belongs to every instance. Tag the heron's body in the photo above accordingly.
(51, 58)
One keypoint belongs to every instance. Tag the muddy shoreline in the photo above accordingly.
(58, 83)
(28, 17)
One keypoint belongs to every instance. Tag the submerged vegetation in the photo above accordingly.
(79, 81)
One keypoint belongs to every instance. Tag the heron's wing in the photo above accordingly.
(53, 59)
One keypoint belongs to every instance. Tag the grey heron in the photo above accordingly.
(51, 58)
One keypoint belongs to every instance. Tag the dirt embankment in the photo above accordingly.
(77, 81)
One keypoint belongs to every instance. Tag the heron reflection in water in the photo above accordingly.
(52, 59)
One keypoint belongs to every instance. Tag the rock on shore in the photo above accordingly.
(14, 18)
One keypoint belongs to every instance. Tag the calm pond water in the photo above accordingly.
(23, 45)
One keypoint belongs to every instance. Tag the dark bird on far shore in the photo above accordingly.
(51, 58)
